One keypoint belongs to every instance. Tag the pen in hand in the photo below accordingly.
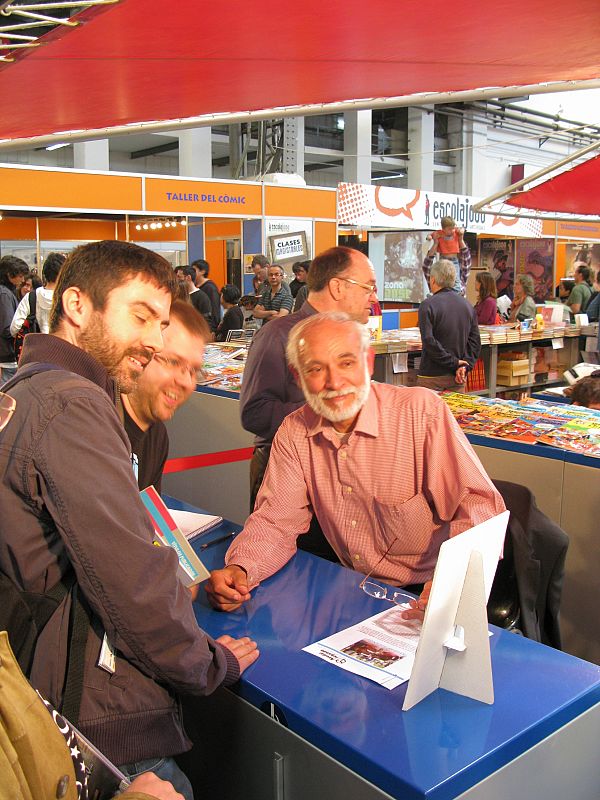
(217, 541)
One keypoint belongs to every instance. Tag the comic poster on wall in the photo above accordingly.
(401, 254)
(498, 257)
(535, 257)
(587, 253)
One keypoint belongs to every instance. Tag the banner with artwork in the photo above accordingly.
(498, 257)
(398, 256)
(414, 209)
(535, 257)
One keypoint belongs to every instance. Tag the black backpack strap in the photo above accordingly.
(32, 311)
(80, 623)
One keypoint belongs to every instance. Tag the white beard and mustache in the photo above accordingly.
(317, 400)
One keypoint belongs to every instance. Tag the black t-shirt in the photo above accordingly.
(210, 289)
(201, 303)
(233, 320)
(149, 451)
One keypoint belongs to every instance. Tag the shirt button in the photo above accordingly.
(343, 454)
(357, 557)
(353, 523)
(348, 489)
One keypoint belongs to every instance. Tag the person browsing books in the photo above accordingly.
(386, 470)
(71, 510)
(165, 385)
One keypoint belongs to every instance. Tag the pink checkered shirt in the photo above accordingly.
(406, 479)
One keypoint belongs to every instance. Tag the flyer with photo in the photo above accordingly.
(381, 648)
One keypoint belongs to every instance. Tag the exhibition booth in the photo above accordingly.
(182, 218)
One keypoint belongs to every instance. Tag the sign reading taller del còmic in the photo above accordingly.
(413, 209)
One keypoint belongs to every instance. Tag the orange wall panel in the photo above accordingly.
(325, 236)
(409, 319)
(80, 230)
(226, 229)
(35, 188)
(215, 252)
(285, 201)
(17, 228)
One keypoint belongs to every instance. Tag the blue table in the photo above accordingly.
(329, 733)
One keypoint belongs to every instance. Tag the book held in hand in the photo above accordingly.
(191, 569)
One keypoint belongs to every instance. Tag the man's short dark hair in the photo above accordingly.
(192, 320)
(327, 265)
(231, 293)
(52, 265)
(99, 267)
(261, 260)
(305, 265)
(11, 267)
(202, 266)
(190, 272)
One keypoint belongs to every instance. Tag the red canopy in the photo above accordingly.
(576, 191)
(143, 60)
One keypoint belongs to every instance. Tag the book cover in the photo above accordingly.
(168, 533)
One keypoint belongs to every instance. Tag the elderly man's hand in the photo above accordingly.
(227, 588)
(417, 607)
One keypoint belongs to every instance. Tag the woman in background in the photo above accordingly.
(486, 306)
(523, 305)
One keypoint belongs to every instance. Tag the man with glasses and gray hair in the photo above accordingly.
(385, 469)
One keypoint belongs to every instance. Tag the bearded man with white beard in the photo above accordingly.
(385, 469)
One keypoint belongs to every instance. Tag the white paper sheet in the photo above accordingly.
(381, 648)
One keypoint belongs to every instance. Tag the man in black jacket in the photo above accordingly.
(70, 505)
(449, 333)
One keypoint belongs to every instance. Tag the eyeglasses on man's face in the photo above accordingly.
(7, 408)
(179, 366)
(370, 288)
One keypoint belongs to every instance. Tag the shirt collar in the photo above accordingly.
(367, 422)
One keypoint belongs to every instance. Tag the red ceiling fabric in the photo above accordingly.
(576, 191)
(143, 60)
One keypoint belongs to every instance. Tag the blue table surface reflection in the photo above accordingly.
(440, 748)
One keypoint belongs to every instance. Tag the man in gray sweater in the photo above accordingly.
(449, 333)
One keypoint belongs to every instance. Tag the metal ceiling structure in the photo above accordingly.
(134, 65)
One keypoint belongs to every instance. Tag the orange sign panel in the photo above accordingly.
(36, 188)
(572, 230)
(202, 197)
(285, 201)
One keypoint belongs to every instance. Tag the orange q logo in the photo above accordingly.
(395, 212)
(504, 220)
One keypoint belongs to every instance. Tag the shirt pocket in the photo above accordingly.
(404, 529)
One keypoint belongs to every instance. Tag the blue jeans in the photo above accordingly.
(457, 284)
(165, 768)
(6, 374)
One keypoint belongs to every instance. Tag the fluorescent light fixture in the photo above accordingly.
(58, 146)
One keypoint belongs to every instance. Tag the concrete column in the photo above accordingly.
(195, 153)
(91, 155)
(421, 143)
(357, 144)
(474, 157)
(293, 145)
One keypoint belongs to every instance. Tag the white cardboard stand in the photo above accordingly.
(454, 649)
